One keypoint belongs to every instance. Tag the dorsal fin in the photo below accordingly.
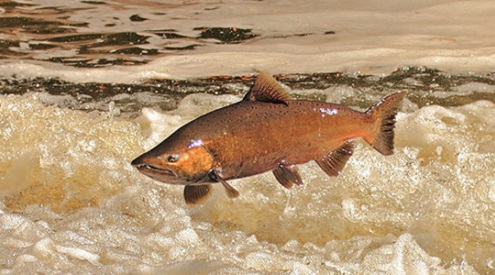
(266, 88)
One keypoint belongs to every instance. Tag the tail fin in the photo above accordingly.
(381, 137)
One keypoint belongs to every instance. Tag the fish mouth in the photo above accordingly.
(155, 172)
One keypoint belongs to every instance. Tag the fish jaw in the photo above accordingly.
(155, 169)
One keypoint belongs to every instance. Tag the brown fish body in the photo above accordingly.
(266, 131)
(249, 138)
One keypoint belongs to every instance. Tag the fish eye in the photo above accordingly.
(173, 158)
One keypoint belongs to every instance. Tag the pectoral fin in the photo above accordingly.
(194, 194)
(287, 175)
(335, 161)
(231, 192)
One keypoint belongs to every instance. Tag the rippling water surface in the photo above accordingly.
(86, 86)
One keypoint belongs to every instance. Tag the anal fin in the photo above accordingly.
(334, 162)
(287, 175)
(231, 192)
(194, 194)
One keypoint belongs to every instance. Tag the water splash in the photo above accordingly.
(422, 204)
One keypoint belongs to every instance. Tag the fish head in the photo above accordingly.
(186, 166)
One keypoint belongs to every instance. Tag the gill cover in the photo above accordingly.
(195, 163)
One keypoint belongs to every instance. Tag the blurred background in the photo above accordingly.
(86, 86)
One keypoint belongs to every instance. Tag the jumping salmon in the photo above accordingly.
(266, 131)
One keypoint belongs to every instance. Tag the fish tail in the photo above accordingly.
(381, 135)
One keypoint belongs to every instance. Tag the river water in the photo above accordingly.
(86, 86)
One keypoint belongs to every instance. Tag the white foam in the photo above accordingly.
(80, 254)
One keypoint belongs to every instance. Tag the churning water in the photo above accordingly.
(86, 86)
